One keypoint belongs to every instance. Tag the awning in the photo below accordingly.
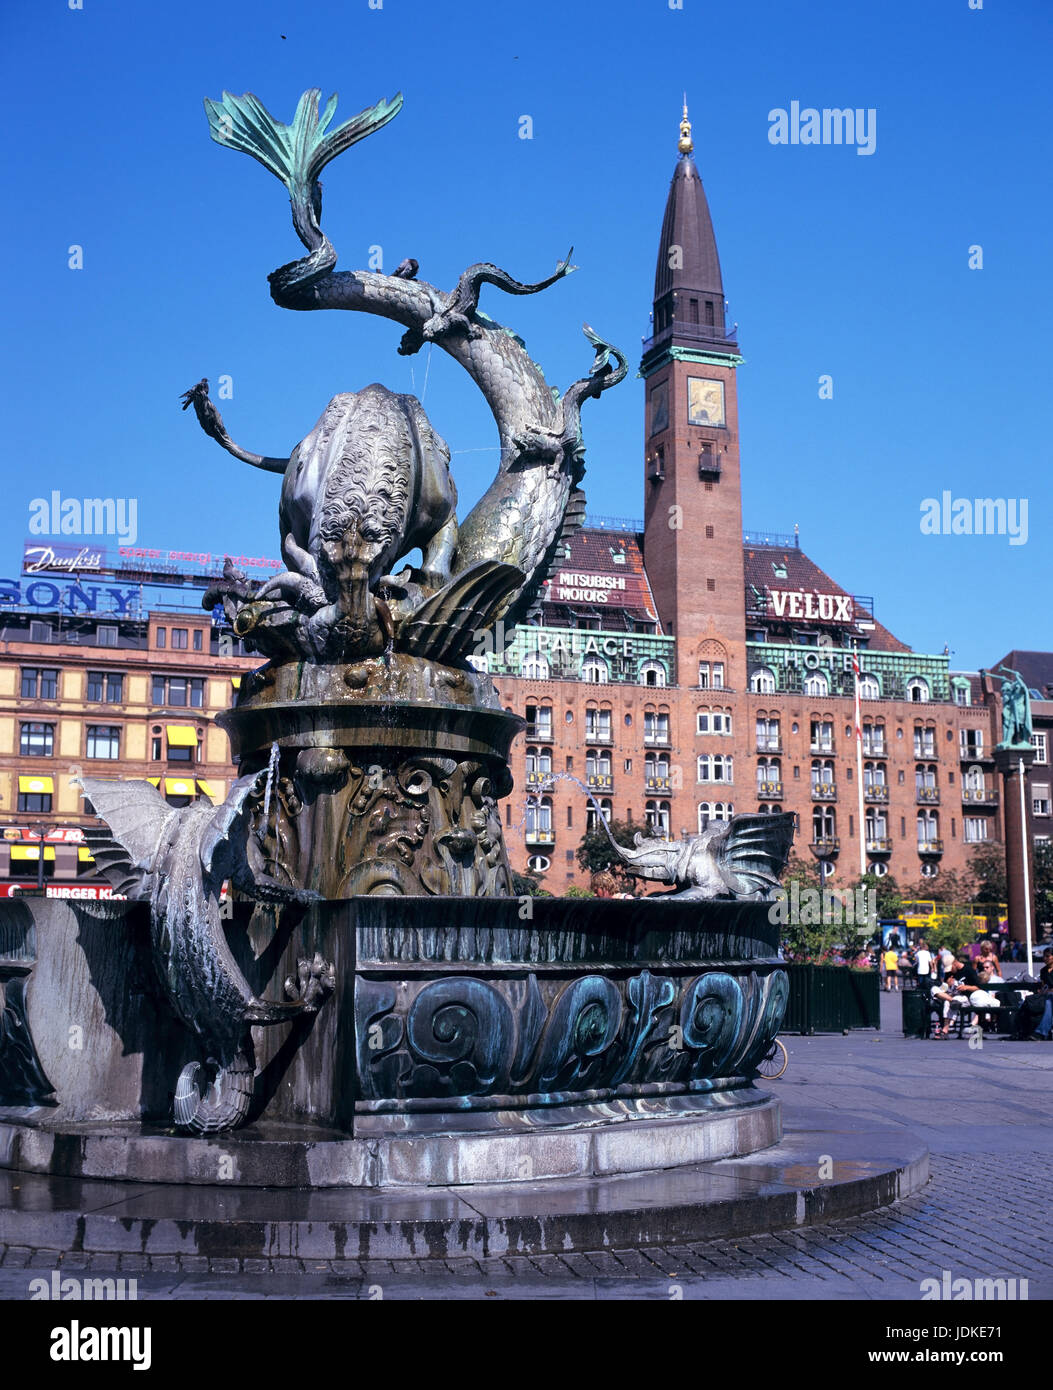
(154, 781)
(178, 786)
(236, 682)
(204, 786)
(181, 736)
(36, 785)
(85, 856)
(31, 852)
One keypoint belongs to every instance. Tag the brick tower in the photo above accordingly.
(693, 505)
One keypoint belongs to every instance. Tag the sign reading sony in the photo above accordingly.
(52, 596)
(823, 608)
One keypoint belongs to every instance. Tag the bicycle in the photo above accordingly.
(774, 1062)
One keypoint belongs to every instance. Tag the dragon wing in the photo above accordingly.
(754, 851)
(136, 816)
(446, 626)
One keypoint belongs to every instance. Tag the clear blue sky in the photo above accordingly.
(833, 263)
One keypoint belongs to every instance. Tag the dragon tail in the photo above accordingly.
(226, 1099)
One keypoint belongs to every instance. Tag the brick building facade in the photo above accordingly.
(684, 670)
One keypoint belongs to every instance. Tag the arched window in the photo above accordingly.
(816, 683)
(656, 814)
(974, 779)
(928, 827)
(869, 688)
(591, 817)
(823, 823)
(652, 673)
(539, 816)
(874, 775)
(535, 667)
(594, 670)
(917, 690)
(762, 681)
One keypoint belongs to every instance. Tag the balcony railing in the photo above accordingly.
(820, 748)
(769, 745)
(970, 753)
(924, 750)
(823, 845)
(880, 844)
(877, 791)
(599, 781)
(985, 796)
(824, 791)
(656, 784)
(930, 846)
(873, 749)
(769, 790)
(540, 837)
(594, 735)
(539, 779)
(539, 733)
(927, 795)
(656, 740)
(692, 332)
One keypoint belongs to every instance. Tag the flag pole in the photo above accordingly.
(859, 768)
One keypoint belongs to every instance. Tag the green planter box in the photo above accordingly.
(831, 998)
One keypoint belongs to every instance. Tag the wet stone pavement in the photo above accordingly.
(986, 1114)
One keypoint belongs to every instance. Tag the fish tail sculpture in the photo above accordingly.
(503, 551)
(177, 860)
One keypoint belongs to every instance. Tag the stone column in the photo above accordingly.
(1018, 838)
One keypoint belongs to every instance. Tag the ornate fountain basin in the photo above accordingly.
(467, 1041)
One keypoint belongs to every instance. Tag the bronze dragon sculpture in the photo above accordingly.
(336, 600)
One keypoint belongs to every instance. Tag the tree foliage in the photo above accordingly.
(595, 852)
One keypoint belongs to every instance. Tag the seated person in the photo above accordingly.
(987, 966)
(1035, 1018)
(962, 990)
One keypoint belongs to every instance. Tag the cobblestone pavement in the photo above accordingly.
(986, 1114)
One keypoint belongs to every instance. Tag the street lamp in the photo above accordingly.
(41, 832)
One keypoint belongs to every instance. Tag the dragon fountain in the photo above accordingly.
(332, 961)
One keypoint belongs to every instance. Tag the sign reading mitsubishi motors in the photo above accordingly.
(822, 608)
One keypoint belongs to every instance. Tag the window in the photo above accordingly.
(652, 673)
(878, 868)
(178, 691)
(40, 632)
(873, 740)
(656, 727)
(961, 693)
(715, 767)
(37, 740)
(656, 814)
(39, 683)
(34, 802)
(597, 763)
(105, 686)
(713, 722)
(162, 633)
(1040, 798)
(1038, 742)
(768, 732)
(822, 774)
(104, 741)
(973, 779)
(928, 827)
(824, 824)
(917, 690)
(539, 721)
(656, 767)
(179, 636)
(535, 667)
(874, 775)
(539, 817)
(822, 736)
(713, 810)
(105, 635)
(538, 863)
(769, 774)
(594, 670)
(924, 776)
(591, 817)
(974, 828)
(197, 639)
(711, 675)
(876, 825)
(762, 681)
(924, 742)
(869, 688)
(598, 725)
(816, 683)
(972, 742)
(538, 762)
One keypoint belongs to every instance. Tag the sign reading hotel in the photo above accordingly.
(821, 608)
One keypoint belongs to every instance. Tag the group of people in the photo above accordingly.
(964, 983)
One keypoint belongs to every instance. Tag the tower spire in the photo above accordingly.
(685, 144)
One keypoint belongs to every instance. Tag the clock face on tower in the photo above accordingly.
(705, 401)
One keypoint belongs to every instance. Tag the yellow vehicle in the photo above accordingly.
(921, 916)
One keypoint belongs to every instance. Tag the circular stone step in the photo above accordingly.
(809, 1177)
